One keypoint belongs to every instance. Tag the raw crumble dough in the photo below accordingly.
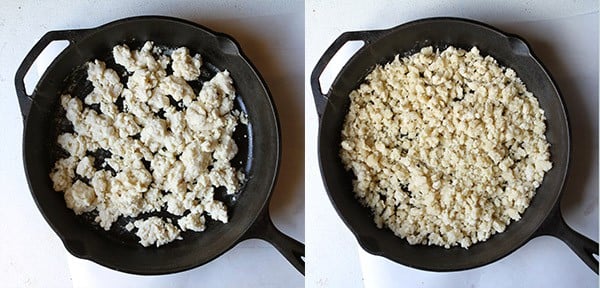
(188, 149)
(447, 148)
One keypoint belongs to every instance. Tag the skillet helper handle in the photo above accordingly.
(365, 36)
(583, 246)
(25, 100)
(290, 248)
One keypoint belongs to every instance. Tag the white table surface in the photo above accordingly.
(271, 33)
(565, 37)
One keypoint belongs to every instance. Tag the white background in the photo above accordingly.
(564, 34)
(272, 36)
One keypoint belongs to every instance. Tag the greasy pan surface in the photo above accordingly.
(258, 156)
(380, 47)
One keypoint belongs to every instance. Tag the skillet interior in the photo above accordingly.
(258, 140)
(407, 39)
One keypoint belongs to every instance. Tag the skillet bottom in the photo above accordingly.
(77, 85)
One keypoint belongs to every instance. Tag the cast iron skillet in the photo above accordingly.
(543, 217)
(258, 156)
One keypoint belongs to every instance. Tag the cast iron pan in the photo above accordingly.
(258, 156)
(543, 217)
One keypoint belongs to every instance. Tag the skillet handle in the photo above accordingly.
(583, 246)
(365, 36)
(25, 100)
(290, 248)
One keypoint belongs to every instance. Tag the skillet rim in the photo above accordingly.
(366, 244)
(262, 207)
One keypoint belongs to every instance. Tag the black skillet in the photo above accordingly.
(543, 217)
(258, 156)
